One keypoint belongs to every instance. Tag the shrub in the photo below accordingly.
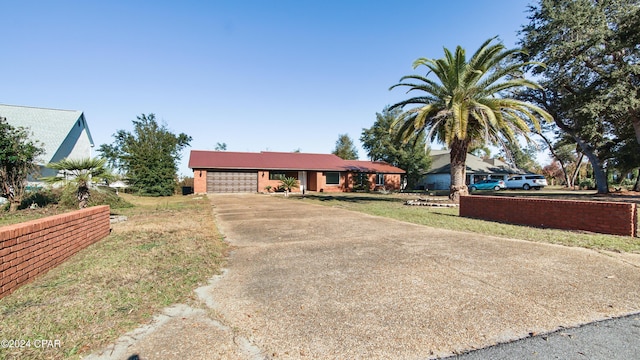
(40, 197)
(99, 196)
(361, 188)
(107, 196)
(627, 183)
(588, 183)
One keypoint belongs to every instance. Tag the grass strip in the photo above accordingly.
(166, 248)
(8, 218)
(392, 206)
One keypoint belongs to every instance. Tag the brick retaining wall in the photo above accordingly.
(615, 218)
(31, 248)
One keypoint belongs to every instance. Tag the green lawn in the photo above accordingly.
(392, 206)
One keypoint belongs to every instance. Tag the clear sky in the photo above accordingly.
(257, 75)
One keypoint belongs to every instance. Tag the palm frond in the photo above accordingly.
(82, 169)
(465, 100)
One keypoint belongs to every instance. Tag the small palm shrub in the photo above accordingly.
(82, 173)
(289, 183)
(67, 197)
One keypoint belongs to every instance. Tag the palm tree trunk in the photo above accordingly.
(83, 195)
(458, 160)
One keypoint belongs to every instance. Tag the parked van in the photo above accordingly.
(526, 182)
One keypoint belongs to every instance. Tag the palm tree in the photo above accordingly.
(468, 102)
(81, 172)
(288, 183)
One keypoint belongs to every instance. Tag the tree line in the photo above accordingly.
(584, 101)
(382, 144)
(147, 159)
(590, 82)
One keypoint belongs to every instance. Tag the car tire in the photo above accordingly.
(526, 187)
(472, 189)
(496, 188)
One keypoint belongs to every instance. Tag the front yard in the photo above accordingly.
(169, 246)
(166, 248)
(392, 206)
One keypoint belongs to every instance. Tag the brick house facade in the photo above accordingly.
(222, 171)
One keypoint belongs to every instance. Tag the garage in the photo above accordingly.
(232, 181)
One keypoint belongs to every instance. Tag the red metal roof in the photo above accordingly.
(372, 166)
(229, 160)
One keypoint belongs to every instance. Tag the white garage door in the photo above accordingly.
(232, 181)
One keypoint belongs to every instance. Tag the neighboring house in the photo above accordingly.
(223, 171)
(118, 184)
(439, 176)
(61, 133)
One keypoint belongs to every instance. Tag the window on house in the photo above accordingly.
(333, 178)
(379, 179)
(360, 179)
(277, 175)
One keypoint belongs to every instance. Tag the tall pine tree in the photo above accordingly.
(345, 148)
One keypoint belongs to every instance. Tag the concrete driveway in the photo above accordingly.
(308, 281)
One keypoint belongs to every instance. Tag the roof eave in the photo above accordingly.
(240, 168)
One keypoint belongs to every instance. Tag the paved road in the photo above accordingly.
(311, 282)
(606, 340)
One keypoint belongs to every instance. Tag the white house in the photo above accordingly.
(61, 133)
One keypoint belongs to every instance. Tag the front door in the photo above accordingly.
(302, 178)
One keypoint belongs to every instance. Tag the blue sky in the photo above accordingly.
(256, 75)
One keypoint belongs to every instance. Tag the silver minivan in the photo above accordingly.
(526, 182)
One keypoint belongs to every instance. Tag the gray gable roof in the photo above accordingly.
(441, 164)
(48, 126)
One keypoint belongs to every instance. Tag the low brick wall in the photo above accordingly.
(615, 218)
(31, 248)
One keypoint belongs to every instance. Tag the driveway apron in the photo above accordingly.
(319, 282)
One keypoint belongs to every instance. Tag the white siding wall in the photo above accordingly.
(82, 147)
(76, 145)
